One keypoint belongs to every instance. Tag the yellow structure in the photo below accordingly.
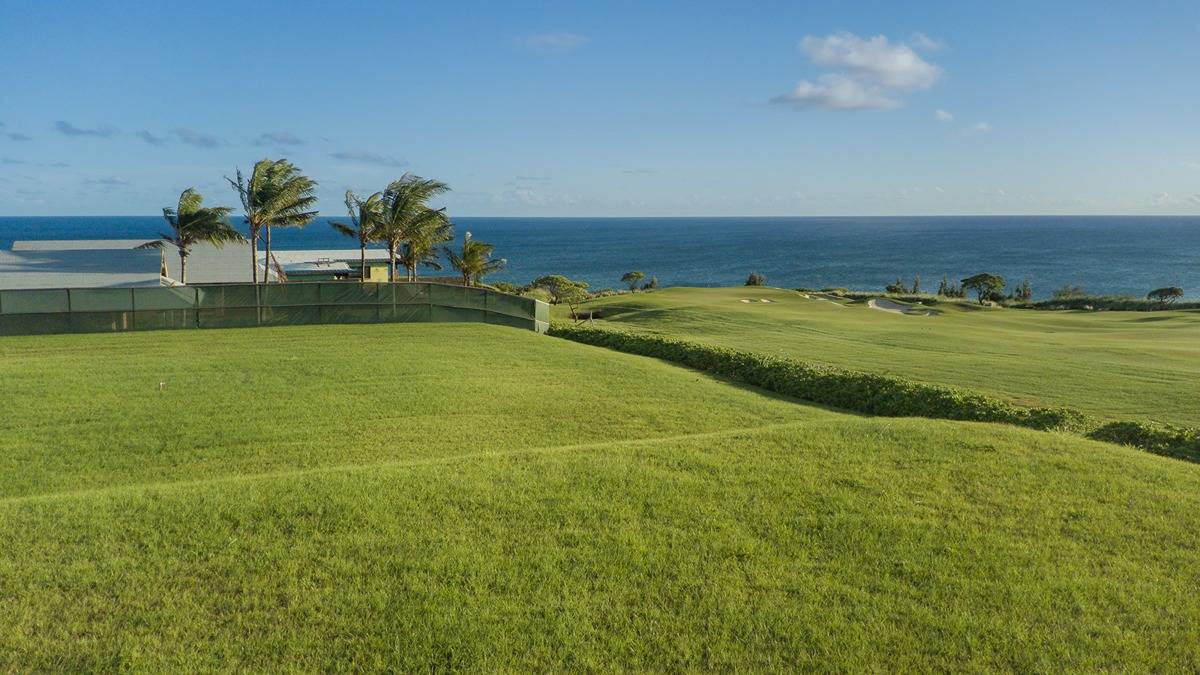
(376, 273)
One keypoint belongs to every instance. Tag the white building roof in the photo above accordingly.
(75, 244)
(77, 263)
(79, 268)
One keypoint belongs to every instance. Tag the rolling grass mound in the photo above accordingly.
(473, 497)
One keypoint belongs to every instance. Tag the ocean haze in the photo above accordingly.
(1103, 254)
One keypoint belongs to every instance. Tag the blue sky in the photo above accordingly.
(670, 108)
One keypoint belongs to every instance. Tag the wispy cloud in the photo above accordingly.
(108, 181)
(277, 138)
(68, 129)
(980, 128)
(197, 139)
(15, 136)
(867, 74)
(638, 172)
(364, 157)
(13, 161)
(553, 42)
(943, 115)
(157, 141)
(925, 43)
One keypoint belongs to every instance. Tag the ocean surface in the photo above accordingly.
(1109, 255)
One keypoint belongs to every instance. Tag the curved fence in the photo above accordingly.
(98, 310)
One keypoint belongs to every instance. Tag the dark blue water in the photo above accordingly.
(1111, 255)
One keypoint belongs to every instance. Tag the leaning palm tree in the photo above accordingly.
(193, 223)
(474, 261)
(421, 241)
(407, 216)
(275, 194)
(364, 219)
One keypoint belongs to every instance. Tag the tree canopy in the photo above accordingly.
(984, 285)
(1165, 295)
(632, 279)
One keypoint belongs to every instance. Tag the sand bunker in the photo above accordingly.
(885, 305)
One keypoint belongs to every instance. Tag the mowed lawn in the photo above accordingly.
(474, 497)
(1115, 365)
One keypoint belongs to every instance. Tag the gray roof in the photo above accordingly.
(75, 244)
(79, 268)
(207, 264)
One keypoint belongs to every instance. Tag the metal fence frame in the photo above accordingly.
(102, 310)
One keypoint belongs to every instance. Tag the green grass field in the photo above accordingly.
(1115, 365)
(475, 497)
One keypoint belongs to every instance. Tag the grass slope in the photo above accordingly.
(442, 496)
(1115, 365)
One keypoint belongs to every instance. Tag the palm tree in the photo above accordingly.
(276, 194)
(364, 219)
(193, 223)
(408, 219)
(475, 260)
(421, 241)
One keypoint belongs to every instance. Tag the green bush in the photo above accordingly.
(1178, 442)
(859, 391)
(1121, 303)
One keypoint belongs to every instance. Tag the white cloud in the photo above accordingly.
(1194, 166)
(553, 42)
(925, 43)
(837, 92)
(943, 116)
(981, 127)
(869, 73)
(873, 59)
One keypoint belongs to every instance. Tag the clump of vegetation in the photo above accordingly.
(1068, 292)
(897, 287)
(633, 279)
(756, 279)
(650, 285)
(563, 290)
(1179, 442)
(1166, 295)
(1023, 292)
(986, 286)
(949, 290)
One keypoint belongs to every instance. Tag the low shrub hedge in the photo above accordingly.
(853, 390)
(1178, 442)
(876, 394)
(1110, 303)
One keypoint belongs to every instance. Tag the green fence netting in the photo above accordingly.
(85, 310)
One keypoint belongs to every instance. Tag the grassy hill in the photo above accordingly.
(469, 496)
(1115, 365)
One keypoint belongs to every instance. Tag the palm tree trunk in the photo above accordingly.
(362, 261)
(254, 254)
(392, 262)
(183, 267)
(267, 259)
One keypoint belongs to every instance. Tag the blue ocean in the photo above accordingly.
(1108, 255)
